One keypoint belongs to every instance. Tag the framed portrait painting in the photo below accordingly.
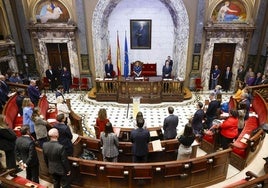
(140, 34)
(196, 61)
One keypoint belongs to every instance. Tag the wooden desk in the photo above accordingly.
(124, 133)
(150, 89)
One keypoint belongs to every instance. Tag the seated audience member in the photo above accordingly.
(12, 78)
(27, 155)
(65, 134)
(242, 109)
(238, 93)
(228, 129)
(186, 140)
(140, 139)
(101, 121)
(18, 78)
(250, 79)
(264, 79)
(212, 110)
(166, 70)
(27, 107)
(170, 125)
(109, 69)
(197, 120)
(245, 99)
(110, 144)
(137, 69)
(19, 100)
(33, 92)
(248, 74)
(40, 127)
(258, 79)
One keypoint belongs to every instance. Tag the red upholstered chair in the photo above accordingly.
(198, 84)
(75, 83)
(84, 84)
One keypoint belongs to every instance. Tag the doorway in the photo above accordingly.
(223, 56)
(4, 67)
(58, 55)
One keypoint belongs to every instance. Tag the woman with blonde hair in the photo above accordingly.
(27, 107)
(101, 121)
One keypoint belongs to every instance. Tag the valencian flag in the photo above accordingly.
(109, 56)
(126, 66)
(118, 58)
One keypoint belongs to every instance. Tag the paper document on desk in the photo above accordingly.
(156, 145)
(153, 133)
(245, 138)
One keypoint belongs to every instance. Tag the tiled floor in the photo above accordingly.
(121, 115)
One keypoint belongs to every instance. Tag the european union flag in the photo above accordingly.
(126, 66)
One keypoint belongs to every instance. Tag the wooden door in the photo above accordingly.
(58, 55)
(223, 56)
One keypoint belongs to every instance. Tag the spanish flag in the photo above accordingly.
(118, 57)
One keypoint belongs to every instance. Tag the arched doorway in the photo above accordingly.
(180, 18)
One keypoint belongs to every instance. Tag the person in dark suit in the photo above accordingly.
(4, 87)
(170, 61)
(26, 155)
(19, 100)
(212, 110)
(52, 78)
(33, 92)
(59, 92)
(109, 69)
(66, 79)
(56, 160)
(198, 119)
(166, 70)
(241, 73)
(7, 143)
(65, 134)
(109, 73)
(166, 74)
(258, 79)
(170, 125)
(140, 138)
(227, 79)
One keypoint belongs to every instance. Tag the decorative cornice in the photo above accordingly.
(229, 27)
(52, 27)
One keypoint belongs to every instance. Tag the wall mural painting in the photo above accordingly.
(232, 11)
(52, 11)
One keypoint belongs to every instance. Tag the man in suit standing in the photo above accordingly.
(56, 159)
(140, 138)
(33, 92)
(227, 79)
(52, 78)
(170, 125)
(26, 155)
(212, 110)
(109, 69)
